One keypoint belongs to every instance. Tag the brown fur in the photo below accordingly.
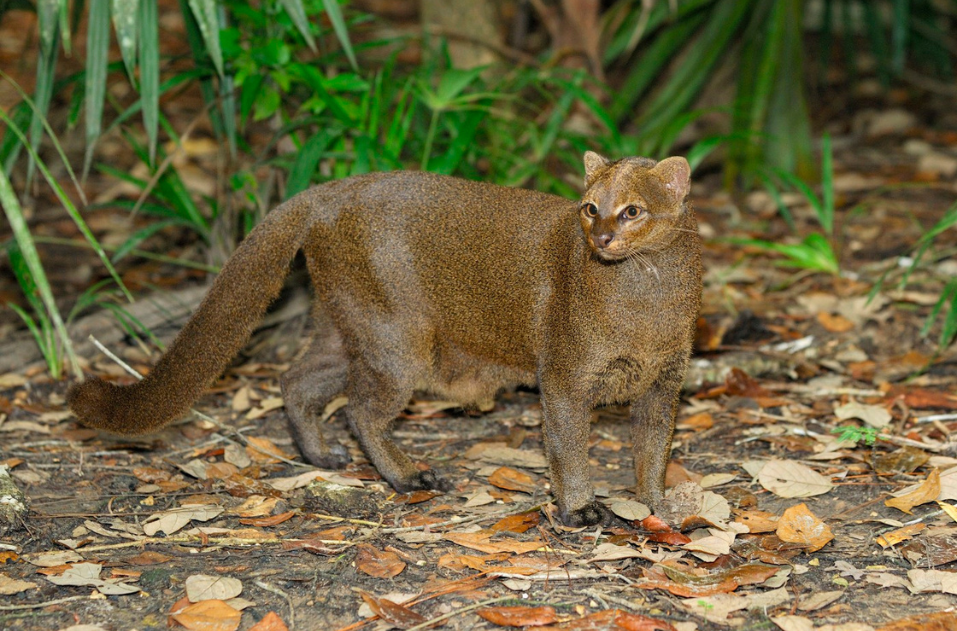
(461, 288)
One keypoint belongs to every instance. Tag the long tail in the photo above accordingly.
(237, 301)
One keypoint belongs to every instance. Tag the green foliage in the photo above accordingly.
(855, 434)
(816, 252)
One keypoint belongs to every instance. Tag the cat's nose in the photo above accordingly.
(604, 240)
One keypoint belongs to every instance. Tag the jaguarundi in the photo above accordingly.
(459, 288)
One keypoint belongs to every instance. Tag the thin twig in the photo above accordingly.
(279, 592)
(43, 604)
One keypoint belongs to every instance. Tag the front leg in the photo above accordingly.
(652, 426)
(566, 427)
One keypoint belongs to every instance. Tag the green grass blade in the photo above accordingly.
(827, 186)
(70, 208)
(18, 225)
(149, 73)
(300, 174)
(126, 17)
(334, 11)
(97, 47)
(207, 19)
(48, 17)
(298, 15)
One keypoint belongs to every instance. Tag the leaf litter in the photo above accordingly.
(771, 518)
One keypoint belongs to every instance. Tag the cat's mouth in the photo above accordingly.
(611, 254)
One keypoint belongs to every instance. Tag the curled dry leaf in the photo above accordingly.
(799, 525)
(205, 587)
(927, 491)
(894, 537)
(88, 575)
(519, 616)
(786, 478)
(379, 564)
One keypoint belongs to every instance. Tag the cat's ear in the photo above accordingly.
(594, 164)
(675, 173)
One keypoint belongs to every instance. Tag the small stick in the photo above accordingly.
(279, 592)
(43, 604)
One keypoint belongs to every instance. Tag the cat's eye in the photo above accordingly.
(632, 212)
(589, 210)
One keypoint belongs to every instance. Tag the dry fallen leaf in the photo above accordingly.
(512, 480)
(629, 510)
(615, 620)
(787, 478)
(799, 525)
(874, 415)
(10, 586)
(270, 622)
(519, 616)
(173, 520)
(88, 575)
(481, 541)
(938, 621)
(933, 581)
(392, 612)
(894, 537)
(263, 450)
(927, 491)
(379, 564)
(208, 615)
(204, 587)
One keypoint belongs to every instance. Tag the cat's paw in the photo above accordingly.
(590, 514)
(335, 457)
(427, 480)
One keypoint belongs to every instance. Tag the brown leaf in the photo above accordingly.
(416, 497)
(923, 398)
(939, 621)
(208, 615)
(758, 521)
(481, 541)
(697, 422)
(151, 474)
(928, 491)
(519, 616)
(261, 450)
(903, 460)
(378, 564)
(894, 537)
(615, 620)
(393, 613)
(799, 525)
(270, 622)
(517, 523)
(512, 480)
(148, 558)
(265, 522)
(834, 322)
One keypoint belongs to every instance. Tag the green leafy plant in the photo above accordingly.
(815, 252)
(855, 434)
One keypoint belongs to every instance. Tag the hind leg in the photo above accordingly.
(307, 387)
(376, 398)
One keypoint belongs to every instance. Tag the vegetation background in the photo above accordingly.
(104, 101)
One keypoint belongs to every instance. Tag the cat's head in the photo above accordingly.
(633, 205)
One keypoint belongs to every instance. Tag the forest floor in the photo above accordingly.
(779, 522)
